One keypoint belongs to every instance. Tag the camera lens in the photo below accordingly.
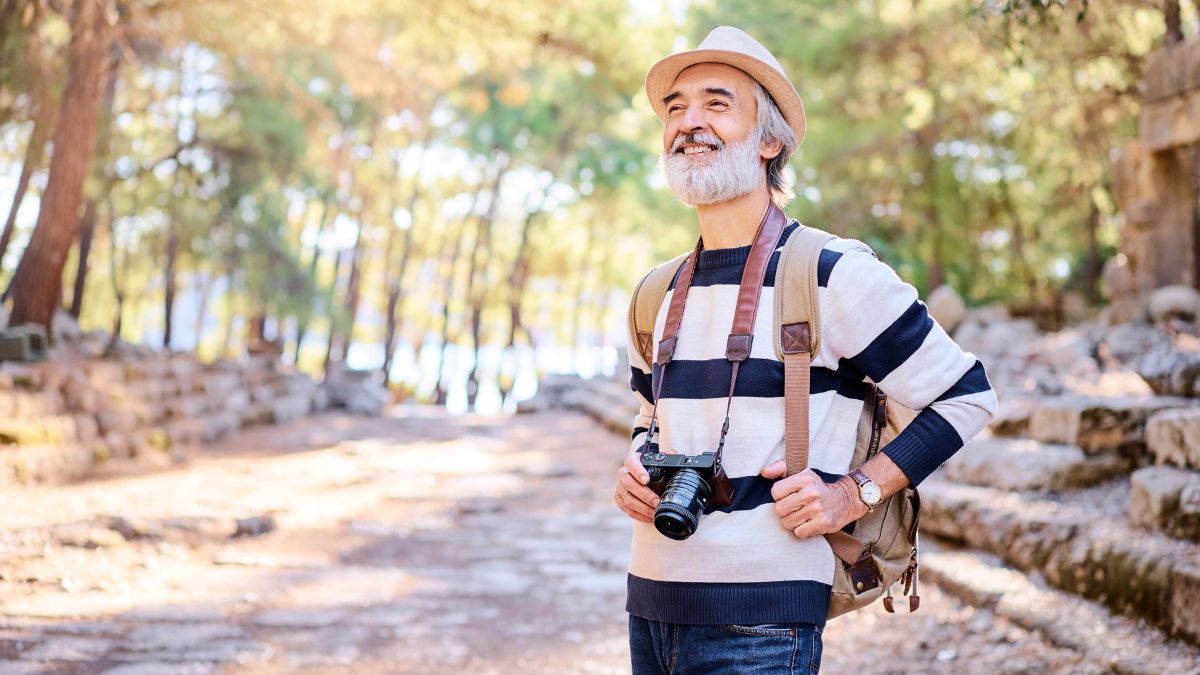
(678, 514)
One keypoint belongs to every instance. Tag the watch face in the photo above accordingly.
(870, 494)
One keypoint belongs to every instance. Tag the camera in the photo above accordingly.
(685, 484)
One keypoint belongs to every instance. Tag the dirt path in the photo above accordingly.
(411, 544)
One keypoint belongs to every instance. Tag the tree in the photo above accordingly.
(37, 284)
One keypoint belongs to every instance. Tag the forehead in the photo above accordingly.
(712, 75)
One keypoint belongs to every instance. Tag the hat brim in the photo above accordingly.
(663, 74)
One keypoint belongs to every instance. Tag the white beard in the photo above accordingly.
(730, 171)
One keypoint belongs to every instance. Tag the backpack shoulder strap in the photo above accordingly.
(647, 298)
(797, 334)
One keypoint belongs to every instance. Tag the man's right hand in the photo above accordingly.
(632, 496)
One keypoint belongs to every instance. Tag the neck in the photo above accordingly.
(733, 223)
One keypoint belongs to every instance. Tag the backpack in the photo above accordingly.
(882, 548)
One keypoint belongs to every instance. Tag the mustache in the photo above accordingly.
(702, 137)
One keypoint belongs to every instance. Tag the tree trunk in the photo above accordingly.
(478, 279)
(520, 275)
(37, 284)
(395, 298)
(169, 279)
(87, 224)
(339, 340)
(1174, 21)
(585, 267)
(302, 322)
(33, 158)
(87, 228)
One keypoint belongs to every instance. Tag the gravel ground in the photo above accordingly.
(416, 543)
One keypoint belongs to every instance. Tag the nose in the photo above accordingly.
(694, 119)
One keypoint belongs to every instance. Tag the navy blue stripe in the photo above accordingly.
(751, 492)
(972, 382)
(923, 446)
(801, 601)
(825, 264)
(639, 381)
(638, 430)
(724, 265)
(894, 345)
(759, 378)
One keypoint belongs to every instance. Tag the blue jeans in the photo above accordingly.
(686, 649)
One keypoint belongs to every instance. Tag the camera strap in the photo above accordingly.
(741, 335)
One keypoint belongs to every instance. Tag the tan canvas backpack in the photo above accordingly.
(882, 550)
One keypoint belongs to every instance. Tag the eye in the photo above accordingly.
(675, 108)
(722, 104)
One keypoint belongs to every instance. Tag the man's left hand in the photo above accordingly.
(808, 506)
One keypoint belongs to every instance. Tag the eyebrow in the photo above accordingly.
(719, 91)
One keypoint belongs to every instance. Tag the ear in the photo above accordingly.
(769, 150)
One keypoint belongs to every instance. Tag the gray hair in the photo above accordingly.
(774, 129)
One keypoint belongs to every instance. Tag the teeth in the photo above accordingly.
(691, 150)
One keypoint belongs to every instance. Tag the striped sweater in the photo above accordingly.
(742, 565)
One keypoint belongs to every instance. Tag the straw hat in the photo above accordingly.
(731, 46)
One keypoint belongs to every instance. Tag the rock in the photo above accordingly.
(1173, 437)
(1021, 464)
(1097, 424)
(357, 391)
(946, 307)
(1012, 418)
(254, 526)
(1174, 302)
(135, 528)
(1119, 286)
(1170, 364)
(1168, 499)
(65, 328)
(1064, 350)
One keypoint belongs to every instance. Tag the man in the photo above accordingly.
(749, 590)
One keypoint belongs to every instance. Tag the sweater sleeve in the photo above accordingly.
(876, 327)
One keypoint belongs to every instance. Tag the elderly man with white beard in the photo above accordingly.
(746, 589)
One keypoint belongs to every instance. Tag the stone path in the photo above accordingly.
(416, 543)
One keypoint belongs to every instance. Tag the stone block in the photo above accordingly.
(188, 431)
(44, 430)
(290, 407)
(1168, 499)
(219, 383)
(1021, 464)
(262, 393)
(120, 421)
(1098, 424)
(186, 407)
(946, 307)
(103, 373)
(1173, 437)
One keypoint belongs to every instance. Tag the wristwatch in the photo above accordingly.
(868, 491)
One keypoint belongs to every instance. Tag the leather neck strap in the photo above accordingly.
(741, 335)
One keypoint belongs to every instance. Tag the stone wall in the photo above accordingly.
(1154, 184)
(59, 419)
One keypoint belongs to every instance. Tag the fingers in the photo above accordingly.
(775, 470)
(813, 528)
(631, 495)
(787, 486)
(621, 503)
(633, 466)
(805, 500)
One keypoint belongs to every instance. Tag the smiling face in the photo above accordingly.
(712, 145)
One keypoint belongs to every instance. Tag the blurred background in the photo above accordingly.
(276, 274)
(465, 192)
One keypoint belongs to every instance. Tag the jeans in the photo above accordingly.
(687, 649)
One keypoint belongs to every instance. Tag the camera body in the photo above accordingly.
(686, 484)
